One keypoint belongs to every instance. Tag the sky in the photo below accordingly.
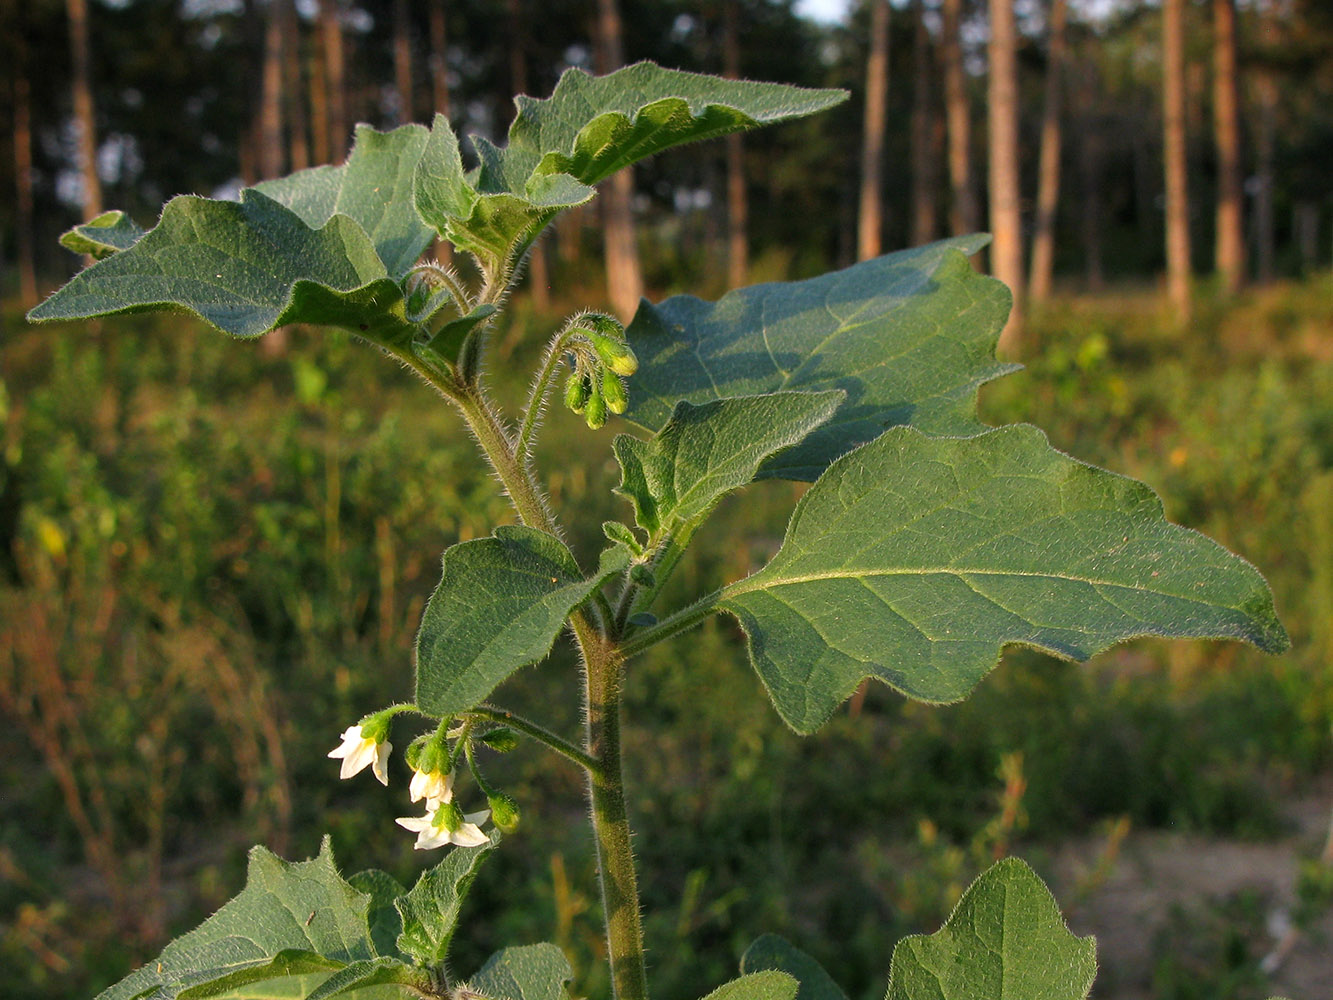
(823, 10)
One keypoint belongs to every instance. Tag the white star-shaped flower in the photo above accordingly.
(358, 752)
(433, 786)
(430, 836)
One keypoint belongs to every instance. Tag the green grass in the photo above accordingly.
(214, 560)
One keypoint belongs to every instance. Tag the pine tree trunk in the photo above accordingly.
(963, 214)
(1005, 206)
(539, 275)
(870, 213)
(439, 64)
(1048, 178)
(1090, 180)
(1230, 248)
(270, 101)
(624, 279)
(1265, 227)
(23, 210)
(292, 86)
(84, 112)
(402, 62)
(320, 139)
(924, 154)
(331, 41)
(1177, 196)
(738, 205)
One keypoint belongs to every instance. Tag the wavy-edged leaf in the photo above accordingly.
(1005, 940)
(370, 972)
(291, 918)
(767, 985)
(246, 268)
(773, 952)
(531, 972)
(706, 451)
(430, 910)
(590, 126)
(915, 560)
(104, 235)
(374, 189)
(909, 337)
(500, 604)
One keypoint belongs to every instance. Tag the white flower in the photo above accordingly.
(357, 751)
(430, 836)
(433, 786)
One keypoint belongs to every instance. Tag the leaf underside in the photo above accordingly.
(532, 972)
(500, 604)
(915, 560)
(104, 235)
(909, 337)
(1005, 940)
(773, 952)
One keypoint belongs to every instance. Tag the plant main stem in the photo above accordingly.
(602, 664)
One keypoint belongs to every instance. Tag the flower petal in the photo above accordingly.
(381, 761)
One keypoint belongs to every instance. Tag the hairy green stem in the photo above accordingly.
(682, 621)
(541, 385)
(539, 733)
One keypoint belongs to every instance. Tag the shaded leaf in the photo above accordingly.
(499, 606)
(773, 952)
(914, 560)
(909, 337)
(430, 910)
(104, 235)
(448, 340)
(291, 918)
(706, 451)
(385, 922)
(246, 268)
(767, 985)
(373, 188)
(370, 972)
(1006, 940)
(534, 972)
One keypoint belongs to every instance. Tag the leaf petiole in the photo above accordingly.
(539, 733)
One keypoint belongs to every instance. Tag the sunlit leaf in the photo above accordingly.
(430, 910)
(104, 235)
(533, 972)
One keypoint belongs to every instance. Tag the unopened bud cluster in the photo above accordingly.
(599, 360)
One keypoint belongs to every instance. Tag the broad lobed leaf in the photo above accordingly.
(499, 606)
(1005, 940)
(915, 560)
(532, 972)
(909, 337)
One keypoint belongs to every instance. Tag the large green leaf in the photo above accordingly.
(374, 189)
(767, 985)
(914, 560)
(772, 952)
(590, 127)
(245, 267)
(430, 911)
(706, 451)
(533, 972)
(909, 337)
(1005, 940)
(290, 919)
(499, 606)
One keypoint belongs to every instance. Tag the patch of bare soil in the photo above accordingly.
(1157, 874)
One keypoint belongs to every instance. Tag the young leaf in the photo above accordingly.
(772, 952)
(706, 451)
(430, 910)
(915, 560)
(103, 236)
(1005, 940)
(767, 985)
(534, 972)
(374, 189)
(499, 606)
(246, 268)
(909, 337)
(263, 933)
(590, 127)
(371, 972)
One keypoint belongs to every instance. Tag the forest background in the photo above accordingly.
(213, 556)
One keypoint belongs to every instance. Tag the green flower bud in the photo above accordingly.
(595, 412)
(607, 326)
(448, 816)
(613, 392)
(577, 390)
(615, 354)
(501, 740)
(414, 751)
(504, 812)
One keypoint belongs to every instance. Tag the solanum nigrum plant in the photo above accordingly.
(926, 543)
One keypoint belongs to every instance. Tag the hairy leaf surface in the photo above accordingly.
(1006, 940)
(773, 952)
(914, 560)
(499, 606)
(430, 910)
(767, 985)
(245, 267)
(533, 972)
(104, 235)
(706, 451)
(290, 919)
(909, 337)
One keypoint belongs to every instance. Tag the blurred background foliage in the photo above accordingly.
(213, 556)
